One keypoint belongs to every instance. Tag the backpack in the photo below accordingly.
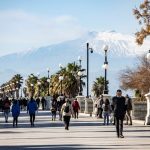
(106, 107)
(66, 110)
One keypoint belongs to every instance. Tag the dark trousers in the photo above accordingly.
(32, 119)
(66, 122)
(76, 113)
(100, 111)
(54, 115)
(60, 115)
(128, 117)
(119, 125)
(43, 106)
(15, 121)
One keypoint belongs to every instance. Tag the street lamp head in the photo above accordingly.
(80, 73)
(79, 58)
(39, 83)
(105, 47)
(105, 66)
(60, 66)
(148, 56)
(48, 69)
(61, 78)
(48, 80)
(91, 50)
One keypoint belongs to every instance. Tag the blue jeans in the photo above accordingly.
(6, 114)
(106, 118)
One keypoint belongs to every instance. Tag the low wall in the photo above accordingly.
(90, 106)
(139, 110)
(82, 106)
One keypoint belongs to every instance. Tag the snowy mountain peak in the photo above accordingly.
(118, 43)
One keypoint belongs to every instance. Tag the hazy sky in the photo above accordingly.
(27, 24)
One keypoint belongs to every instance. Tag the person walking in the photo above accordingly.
(76, 108)
(6, 108)
(128, 111)
(54, 108)
(15, 112)
(60, 102)
(119, 105)
(43, 101)
(106, 111)
(31, 108)
(99, 107)
(67, 112)
(38, 102)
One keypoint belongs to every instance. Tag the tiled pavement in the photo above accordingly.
(86, 133)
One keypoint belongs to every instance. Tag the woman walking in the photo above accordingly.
(76, 108)
(15, 112)
(31, 108)
(6, 108)
(67, 112)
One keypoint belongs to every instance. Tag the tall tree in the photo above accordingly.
(70, 83)
(31, 84)
(44, 86)
(98, 86)
(143, 16)
(16, 83)
(137, 78)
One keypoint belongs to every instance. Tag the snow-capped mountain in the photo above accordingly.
(119, 44)
(122, 49)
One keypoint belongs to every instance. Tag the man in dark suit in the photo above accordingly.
(119, 105)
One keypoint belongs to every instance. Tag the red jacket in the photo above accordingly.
(75, 105)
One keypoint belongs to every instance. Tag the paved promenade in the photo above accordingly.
(86, 133)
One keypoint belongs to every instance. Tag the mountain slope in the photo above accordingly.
(122, 49)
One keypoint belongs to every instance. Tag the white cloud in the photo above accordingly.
(20, 30)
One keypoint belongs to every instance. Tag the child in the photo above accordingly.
(15, 113)
(54, 109)
(106, 111)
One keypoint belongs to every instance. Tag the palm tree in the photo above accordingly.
(31, 84)
(98, 86)
(16, 82)
(44, 86)
(54, 84)
(71, 81)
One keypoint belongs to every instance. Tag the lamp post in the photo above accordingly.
(32, 89)
(80, 74)
(39, 83)
(91, 50)
(48, 80)
(105, 66)
(80, 87)
(80, 61)
(61, 79)
(17, 89)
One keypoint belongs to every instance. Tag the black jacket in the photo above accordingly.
(129, 103)
(119, 106)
